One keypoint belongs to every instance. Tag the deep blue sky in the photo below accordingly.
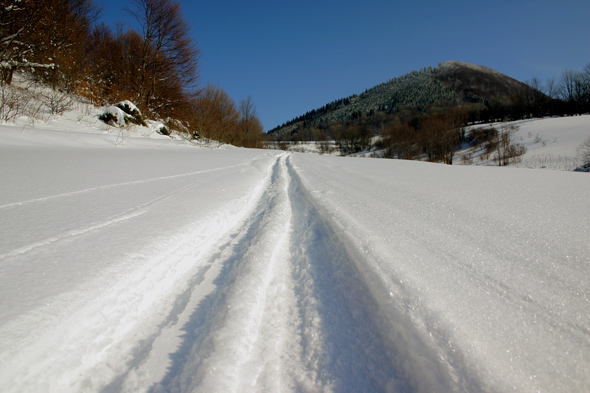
(295, 56)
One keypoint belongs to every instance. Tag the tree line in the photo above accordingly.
(437, 131)
(61, 43)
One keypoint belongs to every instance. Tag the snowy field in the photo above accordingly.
(155, 266)
(551, 143)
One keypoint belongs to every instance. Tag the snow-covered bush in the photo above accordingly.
(133, 113)
(164, 130)
(584, 154)
(113, 116)
(129, 108)
(156, 126)
(121, 114)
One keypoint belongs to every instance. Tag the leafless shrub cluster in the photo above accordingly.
(507, 150)
(584, 153)
(16, 102)
(548, 161)
(57, 101)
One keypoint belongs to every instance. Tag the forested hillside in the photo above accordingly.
(422, 115)
(60, 43)
(482, 94)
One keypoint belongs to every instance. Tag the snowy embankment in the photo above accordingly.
(551, 143)
(156, 266)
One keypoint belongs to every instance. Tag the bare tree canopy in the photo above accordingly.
(168, 52)
(45, 34)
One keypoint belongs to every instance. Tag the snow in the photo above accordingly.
(551, 143)
(153, 265)
(128, 105)
(117, 113)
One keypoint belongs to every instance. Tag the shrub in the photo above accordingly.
(164, 130)
(584, 153)
(129, 108)
(114, 116)
(57, 102)
(16, 102)
(481, 136)
(507, 150)
(134, 114)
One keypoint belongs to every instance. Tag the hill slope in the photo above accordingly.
(430, 89)
(151, 265)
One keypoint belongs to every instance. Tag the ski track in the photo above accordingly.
(284, 308)
(275, 301)
(112, 186)
(115, 328)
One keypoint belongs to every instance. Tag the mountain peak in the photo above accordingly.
(418, 92)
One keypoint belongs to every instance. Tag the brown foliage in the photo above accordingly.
(216, 116)
(249, 126)
(441, 134)
(47, 36)
(157, 69)
(399, 141)
(168, 63)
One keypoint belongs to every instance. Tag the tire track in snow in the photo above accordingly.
(228, 344)
(275, 303)
(288, 310)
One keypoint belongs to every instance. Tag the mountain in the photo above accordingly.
(472, 82)
(425, 91)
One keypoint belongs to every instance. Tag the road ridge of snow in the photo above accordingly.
(277, 280)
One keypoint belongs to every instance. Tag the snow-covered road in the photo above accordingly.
(154, 268)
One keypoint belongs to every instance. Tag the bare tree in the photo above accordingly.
(584, 153)
(18, 20)
(399, 141)
(440, 135)
(168, 52)
(216, 116)
(506, 149)
(551, 88)
(249, 124)
(537, 100)
(573, 90)
(46, 35)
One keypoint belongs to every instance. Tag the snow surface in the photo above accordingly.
(117, 113)
(551, 143)
(150, 265)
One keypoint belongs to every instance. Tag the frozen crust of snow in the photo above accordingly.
(155, 267)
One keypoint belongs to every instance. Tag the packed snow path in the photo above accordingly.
(260, 271)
